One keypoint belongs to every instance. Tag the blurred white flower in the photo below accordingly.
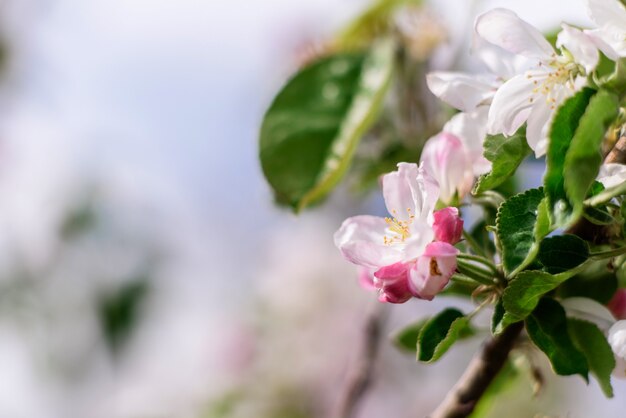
(610, 16)
(612, 174)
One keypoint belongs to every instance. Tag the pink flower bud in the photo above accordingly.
(393, 283)
(617, 305)
(445, 158)
(448, 226)
(433, 270)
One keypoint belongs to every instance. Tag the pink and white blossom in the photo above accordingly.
(444, 157)
(533, 96)
(433, 270)
(396, 249)
(455, 156)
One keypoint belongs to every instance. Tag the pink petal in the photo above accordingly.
(367, 279)
(433, 270)
(393, 283)
(444, 157)
(617, 305)
(361, 241)
(410, 191)
(471, 129)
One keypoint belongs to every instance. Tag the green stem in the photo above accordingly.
(475, 273)
(479, 259)
(608, 253)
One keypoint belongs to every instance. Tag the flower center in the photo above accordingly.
(398, 229)
(548, 78)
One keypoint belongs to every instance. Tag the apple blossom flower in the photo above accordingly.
(433, 269)
(617, 341)
(610, 37)
(454, 157)
(612, 174)
(398, 249)
(533, 96)
(445, 159)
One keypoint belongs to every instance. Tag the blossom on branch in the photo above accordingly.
(411, 253)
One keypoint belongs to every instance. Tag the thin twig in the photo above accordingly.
(618, 153)
(464, 396)
(361, 377)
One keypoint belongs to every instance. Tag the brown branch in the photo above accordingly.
(361, 377)
(462, 399)
(618, 153)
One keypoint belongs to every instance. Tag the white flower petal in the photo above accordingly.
(511, 106)
(462, 91)
(505, 29)
(580, 45)
(598, 37)
(500, 62)
(612, 174)
(589, 310)
(410, 191)
(538, 127)
(422, 234)
(617, 339)
(360, 240)
(608, 14)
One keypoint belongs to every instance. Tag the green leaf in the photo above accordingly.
(505, 154)
(119, 311)
(311, 130)
(562, 131)
(591, 341)
(562, 252)
(373, 22)
(406, 338)
(523, 293)
(439, 333)
(547, 328)
(584, 156)
(521, 223)
(598, 215)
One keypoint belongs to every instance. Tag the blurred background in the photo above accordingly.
(145, 271)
